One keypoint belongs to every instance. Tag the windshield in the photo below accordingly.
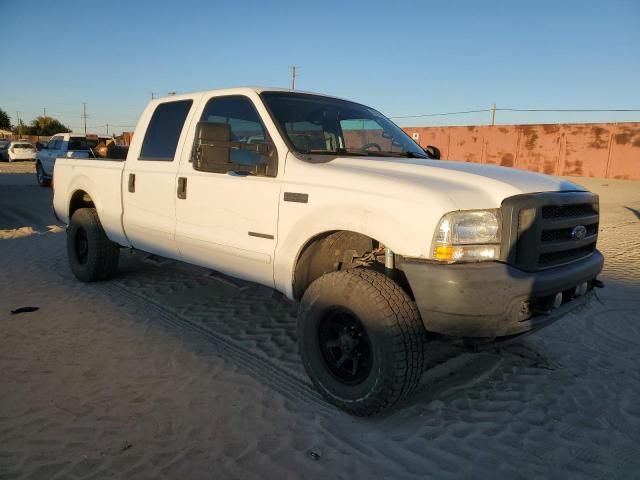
(323, 125)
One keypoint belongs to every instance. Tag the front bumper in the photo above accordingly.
(491, 299)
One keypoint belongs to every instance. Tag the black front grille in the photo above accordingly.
(564, 256)
(554, 211)
(543, 230)
(563, 234)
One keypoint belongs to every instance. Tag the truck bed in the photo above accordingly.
(101, 176)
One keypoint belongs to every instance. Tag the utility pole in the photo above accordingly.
(107, 129)
(293, 77)
(19, 124)
(84, 115)
(493, 114)
(44, 112)
(153, 95)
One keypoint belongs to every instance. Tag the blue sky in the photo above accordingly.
(403, 58)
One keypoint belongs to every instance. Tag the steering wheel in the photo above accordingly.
(367, 146)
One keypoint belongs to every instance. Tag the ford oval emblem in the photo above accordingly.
(579, 232)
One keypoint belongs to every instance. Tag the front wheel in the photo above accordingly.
(40, 177)
(92, 256)
(361, 339)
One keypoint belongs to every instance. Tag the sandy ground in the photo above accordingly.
(170, 371)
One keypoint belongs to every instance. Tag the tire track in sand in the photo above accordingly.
(258, 366)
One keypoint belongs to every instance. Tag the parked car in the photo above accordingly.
(67, 145)
(4, 149)
(332, 204)
(21, 150)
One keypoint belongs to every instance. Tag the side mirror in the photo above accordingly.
(211, 151)
(432, 152)
(41, 147)
(214, 151)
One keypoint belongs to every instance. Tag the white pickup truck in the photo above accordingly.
(332, 204)
(67, 145)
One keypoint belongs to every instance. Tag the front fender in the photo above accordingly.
(401, 236)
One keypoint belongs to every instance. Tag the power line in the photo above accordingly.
(441, 114)
(569, 109)
(495, 109)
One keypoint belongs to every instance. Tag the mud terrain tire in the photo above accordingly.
(92, 256)
(367, 317)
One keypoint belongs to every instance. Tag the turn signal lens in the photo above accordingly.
(466, 253)
(444, 253)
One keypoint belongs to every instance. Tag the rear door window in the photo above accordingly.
(162, 135)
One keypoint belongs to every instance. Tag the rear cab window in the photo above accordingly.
(163, 132)
(82, 143)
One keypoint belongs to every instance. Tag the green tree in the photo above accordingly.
(5, 121)
(47, 126)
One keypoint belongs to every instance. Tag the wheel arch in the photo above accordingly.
(326, 252)
(79, 199)
(334, 250)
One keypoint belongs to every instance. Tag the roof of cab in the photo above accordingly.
(234, 91)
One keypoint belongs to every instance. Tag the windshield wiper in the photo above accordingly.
(415, 155)
(400, 154)
(366, 153)
(338, 151)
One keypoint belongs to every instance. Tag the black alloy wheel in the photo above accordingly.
(345, 347)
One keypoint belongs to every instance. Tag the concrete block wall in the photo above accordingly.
(605, 150)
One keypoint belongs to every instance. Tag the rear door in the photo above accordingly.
(227, 203)
(149, 180)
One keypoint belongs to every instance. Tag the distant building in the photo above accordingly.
(124, 138)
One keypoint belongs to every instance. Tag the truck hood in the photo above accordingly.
(467, 185)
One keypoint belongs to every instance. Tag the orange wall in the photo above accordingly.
(610, 150)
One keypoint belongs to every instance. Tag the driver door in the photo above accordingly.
(228, 196)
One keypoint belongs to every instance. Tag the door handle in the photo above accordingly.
(182, 187)
(132, 182)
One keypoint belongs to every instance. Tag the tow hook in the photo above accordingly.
(557, 300)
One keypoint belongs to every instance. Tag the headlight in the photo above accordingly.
(468, 236)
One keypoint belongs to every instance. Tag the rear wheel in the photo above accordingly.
(92, 256)
(40, 177)
(361, 340)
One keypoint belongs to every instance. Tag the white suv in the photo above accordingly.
(21, 150)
